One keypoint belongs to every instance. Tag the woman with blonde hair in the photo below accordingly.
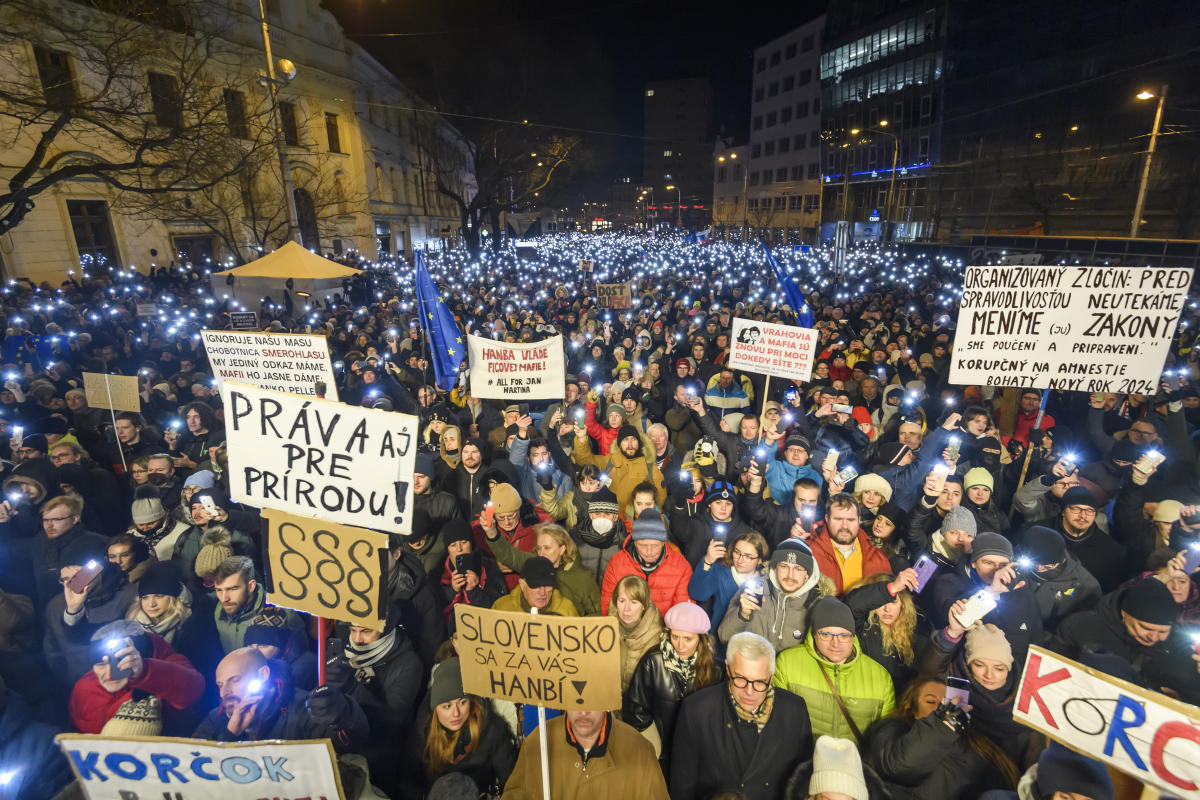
(890, 628)
(575, 581)
(638, 618)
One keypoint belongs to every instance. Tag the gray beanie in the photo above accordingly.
(990, 544)
(829, 612)
(447, 683)
(960, 519)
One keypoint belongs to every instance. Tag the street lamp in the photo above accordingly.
(273, 84)
(678, 212)
(1146, 94)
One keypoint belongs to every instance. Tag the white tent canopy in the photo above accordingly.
(268, 276)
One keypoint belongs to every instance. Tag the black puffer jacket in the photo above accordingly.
(654, 695)
(862, 601)
(489, 762)
(925, 759)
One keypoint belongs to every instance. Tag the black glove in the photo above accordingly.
(545, 477)
(327, 705)
(338, 672)
(952, 716)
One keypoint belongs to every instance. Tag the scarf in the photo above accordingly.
(169, 625)
(155, 536)
(759, 716)
(684, 667)
(636, 640)
(363, 658)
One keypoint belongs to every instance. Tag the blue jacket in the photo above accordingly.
(716, 584)
(27, 747)
(907, 481)
(782, 477)
(526, 477)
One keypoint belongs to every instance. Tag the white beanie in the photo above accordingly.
(837, 768)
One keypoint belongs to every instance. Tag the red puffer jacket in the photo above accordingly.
(668, 582)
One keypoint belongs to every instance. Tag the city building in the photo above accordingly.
(782, 191)
(365, 155)
(730, 187)
(677, 153)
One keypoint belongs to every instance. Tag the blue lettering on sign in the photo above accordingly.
(275, 770)
(86, 766)
(165, 766)
(250, 772)
(1116, 731)
(238, 769)
(114, 762)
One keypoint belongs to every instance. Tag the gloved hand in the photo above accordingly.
(545, 477)
(327, 705)
(954, 717)
(338, 672)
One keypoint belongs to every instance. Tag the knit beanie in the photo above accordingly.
(423, 465)
(505, 498)
(603, 502)
(1062, 770)
(1080, 496)
(270, 635)
(216, 545)
(204, 478)
(456, 530)
(147, 509)
(990, 544)
(892, 452)
(1125, 450)
(1043, 545)
(795, 439)
(1168, 511)
(720, 490)
(895, 513)
(873, 483)
(793, 551)
(978, 476)
(625, 431)
(829, 612)
(1150, 601)
(447, 683)
(649, 527)
(615, 408)
(161, 577)
(140, 715)
(837, 768)
(988, 641)
(687, 617)
(959, 519)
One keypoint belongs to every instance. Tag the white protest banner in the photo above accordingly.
(283, 362)
(546, 660)
(783, 351)
(614, 296)
(116, 392)
(154, 767)
(1084, 329)
(509, 371)
(243, 320)
(318, 458)
(1148, 735)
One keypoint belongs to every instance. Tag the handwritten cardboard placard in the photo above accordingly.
(1084, 329)
(327, 570)
(318, 458)
(155, 767)
(118, 392)
(1148, 735)
(282, 362)
(557, 662)
(614, 296)
(586, 264)
(511, 371)
(782, 351)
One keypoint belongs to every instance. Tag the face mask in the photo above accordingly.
(602, 525)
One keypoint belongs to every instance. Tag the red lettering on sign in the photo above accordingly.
(1034, 683)
(1165, 733)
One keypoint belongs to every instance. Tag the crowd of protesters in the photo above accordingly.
(789, 564)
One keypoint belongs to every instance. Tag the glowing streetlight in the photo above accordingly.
(1146, 94)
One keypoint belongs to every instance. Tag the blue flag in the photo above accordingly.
(446, 346)
(791, 291)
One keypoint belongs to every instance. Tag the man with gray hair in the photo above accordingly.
(743, 736)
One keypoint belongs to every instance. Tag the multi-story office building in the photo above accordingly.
(677, 153)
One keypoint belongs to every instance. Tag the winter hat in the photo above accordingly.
(140, 715)
(1043, 545)
(204, 478)
(895, 513)
(873, 483)
(625, 431)
(687, 617)
(420, 524)
(615, 408)
(990, 544)
(147, 507)
(161, 577)
(457, 530)
(649, 527)
(1063, 770)
(793, 551)
(632, 393)
(538, 572)
(1150, 601)
(1125, 450)
(603, 502)
(36, 441)
(892, 452)
(447, 683)
(960, 519)
(978, 476)
(505, 498)
(1079, 496)
(988, 641)
(797, 440)
(837, 767)
(217, 497)
(720, 490)
(1167, 511)
(453, 786)
(829, 612)
(264, 634)
(216, 545)
(423, 465)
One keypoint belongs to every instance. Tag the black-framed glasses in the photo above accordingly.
(742, 682)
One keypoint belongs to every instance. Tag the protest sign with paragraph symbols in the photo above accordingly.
(782, 351)
(511, 371)
(541, 659)
(318, 458)
(1082, 329)
(284, 362)
(326, 570)
(157, 767)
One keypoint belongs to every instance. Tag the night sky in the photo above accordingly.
(574, 65)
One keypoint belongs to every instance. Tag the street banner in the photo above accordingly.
(1083, 329)
(243, 320)
(586, 264)
(614, 296)
(154, 768)
(115, 392)
(546, 660)
(1148, 735)
(509, 371)
(781, 351)
(327, 570)
(318, 458)
(282, 362)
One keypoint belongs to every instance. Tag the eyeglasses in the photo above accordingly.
(1086, 511)
(830, 636)
(509, 517)
(741, 683)
(738, 555)
(54, 519)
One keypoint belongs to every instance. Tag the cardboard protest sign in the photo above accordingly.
(782, 351)
(146, 309)
(327, 570)
(586, 265)
(557, 662)
(118, 392)
(153, 768)
(614, 296)
(282, 362)
(1148, 735)
(243, 320)
(1084, 329)
(509, 371)
(318, 458)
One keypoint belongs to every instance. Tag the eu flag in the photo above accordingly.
(791, 291)
(446, 346)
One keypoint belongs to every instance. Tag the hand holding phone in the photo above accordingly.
(487, 517)
(958, 689)
(81, 580)
(925, 569)
(978, 606)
